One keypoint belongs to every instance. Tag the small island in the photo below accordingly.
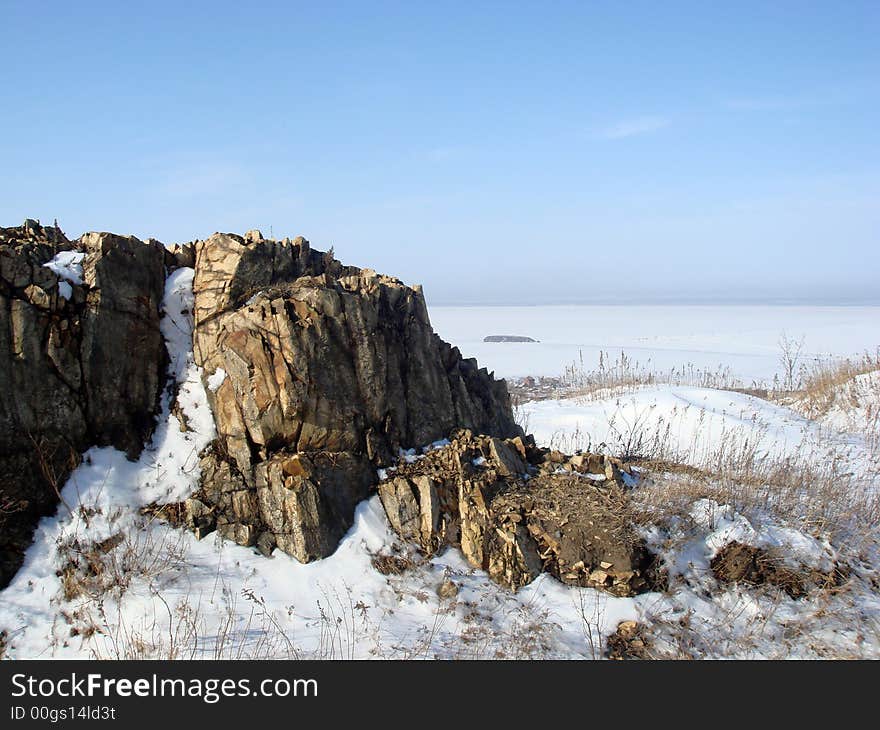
(508, 338)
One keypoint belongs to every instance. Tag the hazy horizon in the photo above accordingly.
(626, 300)
(513, 297)
(493, 153)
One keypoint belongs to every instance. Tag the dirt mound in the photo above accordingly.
(737, 562)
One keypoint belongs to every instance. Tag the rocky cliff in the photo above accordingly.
(81, 363)
(318, 374)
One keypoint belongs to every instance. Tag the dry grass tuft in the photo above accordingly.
(827, 383)
(392, 564)
(622, 374)
(814, 497)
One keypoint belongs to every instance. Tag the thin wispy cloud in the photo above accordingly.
(767, 103)
(634, 127)
(846, 94)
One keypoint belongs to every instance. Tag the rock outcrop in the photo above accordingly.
(317, 374)
(82, 363)
(320, 377)
(516, 511)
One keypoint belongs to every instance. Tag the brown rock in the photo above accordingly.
(413, 508)
(514, 527)
(322, 359)
(308, 515)
(179, 256)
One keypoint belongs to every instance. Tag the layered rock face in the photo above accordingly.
(516, 511)
(318, 373)
(81, 363)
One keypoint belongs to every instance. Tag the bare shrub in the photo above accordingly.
(56, 461)
(9, 507)
(591, 609)
(392, 564)
(97, 569)
(790, 352)
(527, 633)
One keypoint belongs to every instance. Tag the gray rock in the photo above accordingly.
(75, 372)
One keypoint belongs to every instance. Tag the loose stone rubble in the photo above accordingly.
(515, 511)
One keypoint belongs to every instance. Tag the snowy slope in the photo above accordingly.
(691, 425)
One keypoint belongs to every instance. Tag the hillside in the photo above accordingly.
(242, 448)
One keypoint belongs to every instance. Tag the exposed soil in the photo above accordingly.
(629, 642)
(740, 563)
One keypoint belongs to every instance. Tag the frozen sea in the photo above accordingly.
(744, 338)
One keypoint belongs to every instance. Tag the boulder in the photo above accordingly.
(318, 374)
(123, 352)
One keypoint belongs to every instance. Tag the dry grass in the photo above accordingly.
(392, 564)
(758, 623)
(813, 487)
(816, 497)
(528, 635)
(826, 383)
(817, 488)
(120, 596)
(622, 374)
(812, 386)
(815, 493)
(94, 570)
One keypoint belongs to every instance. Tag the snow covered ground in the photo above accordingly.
(104, 580)
(743, 338)
(690, 425)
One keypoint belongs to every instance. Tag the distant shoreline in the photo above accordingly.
(667, 303)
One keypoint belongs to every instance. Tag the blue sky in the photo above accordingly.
(497, 152)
